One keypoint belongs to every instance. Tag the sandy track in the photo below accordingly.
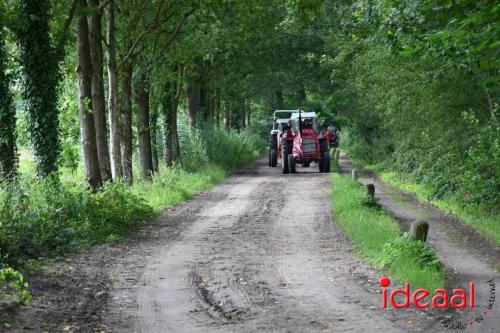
(259, 252)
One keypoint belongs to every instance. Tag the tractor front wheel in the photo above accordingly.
(326, 162)
(284, 161)
(273, 158)
(291, 164)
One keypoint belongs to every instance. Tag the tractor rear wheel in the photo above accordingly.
(284, 161)
(273, 159)
(326, 162)
(291, 164)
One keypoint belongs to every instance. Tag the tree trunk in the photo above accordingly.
(217, 112)
(40, 65)
(95, 41)
(301, 95)
(8, 151)
(154, 141)
(87, 129)
(170, 105)
(155, 148)
(280, 100)
(246, 113)
(213, 111)
(126, 121)
(242, 114)
(114, 114)
(270, 104)
(210, 106)
(203, 109)
(227, 115)
(144, 132)
(193, 102)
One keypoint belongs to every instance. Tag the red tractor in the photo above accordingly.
(300, 142)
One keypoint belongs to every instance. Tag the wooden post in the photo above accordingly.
(370, 189)
(354, 174)
(337, 155)
(419, 230)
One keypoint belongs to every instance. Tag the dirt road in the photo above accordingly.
(259, 252)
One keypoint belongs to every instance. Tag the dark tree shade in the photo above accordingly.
(8, 155)
(170, 103)
(144, 132)
(39, 89)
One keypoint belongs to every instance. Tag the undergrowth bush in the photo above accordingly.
(228, 149)
(13, 286)
(41, 218)
(416, 251)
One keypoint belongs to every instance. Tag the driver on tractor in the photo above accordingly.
(307, 124)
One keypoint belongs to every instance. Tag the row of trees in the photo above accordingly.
(139, 62)
(417, 82)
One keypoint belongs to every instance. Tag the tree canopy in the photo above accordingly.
(415, 83)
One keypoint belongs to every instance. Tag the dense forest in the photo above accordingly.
(111, 110)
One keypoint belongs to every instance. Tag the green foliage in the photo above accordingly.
(377, 237)
(174, 185)
(228, 149)
(13, 287)
(428, 127)
(40, 217)
(8, 150)
(462, 33)
(416, 251)
(69, 125)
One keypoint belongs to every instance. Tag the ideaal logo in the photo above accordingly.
(441, 299)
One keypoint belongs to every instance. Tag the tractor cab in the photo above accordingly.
(304, 122)
(279, 125)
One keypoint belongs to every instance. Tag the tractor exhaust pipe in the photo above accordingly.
(300, 121)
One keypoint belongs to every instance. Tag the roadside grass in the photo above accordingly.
(478, 217)
(378, 239)
(174, 185)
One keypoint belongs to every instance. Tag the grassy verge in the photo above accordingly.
(478, 217)
(377, 237)
(175, 185)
